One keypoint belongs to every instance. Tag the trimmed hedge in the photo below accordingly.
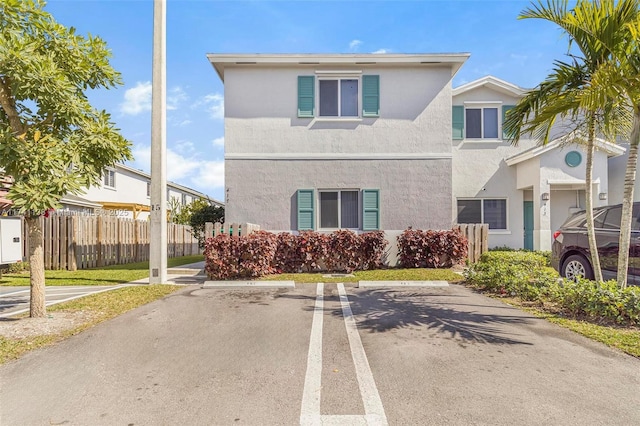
(262, 253)
(525, 275)
(431, 249)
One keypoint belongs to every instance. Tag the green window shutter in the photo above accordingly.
(306, 90)
(306, 211)
(505, 109)
(370, 95)
(457, 122)
(370, 209)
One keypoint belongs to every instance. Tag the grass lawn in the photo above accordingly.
(96, 309)
(375, 275)
(626, 339)
(108, 275)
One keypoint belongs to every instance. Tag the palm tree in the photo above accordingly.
(572, 91)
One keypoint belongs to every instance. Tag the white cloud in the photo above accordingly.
(137, 99)
(218, 141)
(214, 105)
(210, 175)
(185, 146)
(381, 51)
(354, 44)
(175, 97)
(184, 165)
(184, 122)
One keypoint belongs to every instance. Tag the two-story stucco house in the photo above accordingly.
(363, 142)
(324, 142)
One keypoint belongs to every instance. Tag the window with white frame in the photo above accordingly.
(338, 209)
(481, 123)
(184, 199)
(338, 97)
(109, 178)
(483, 210)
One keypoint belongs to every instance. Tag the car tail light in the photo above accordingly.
(556, 234)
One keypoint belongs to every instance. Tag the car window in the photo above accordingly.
(612, 219)
(598, 218)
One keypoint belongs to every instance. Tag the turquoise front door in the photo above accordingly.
(528, 225)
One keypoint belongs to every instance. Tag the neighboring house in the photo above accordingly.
(367, 142)
(125, 192)
(523, 192)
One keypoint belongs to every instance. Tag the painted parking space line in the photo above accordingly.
(55, 302)
(310, 410)
(374, 411)
(13, 293)
(311, 394)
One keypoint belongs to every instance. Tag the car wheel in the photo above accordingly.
(576, 266)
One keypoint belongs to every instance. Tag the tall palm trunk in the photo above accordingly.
(36, 267)
(593, 245)
(627, 200)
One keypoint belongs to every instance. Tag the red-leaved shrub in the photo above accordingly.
(263, 253)
(289, 256)
(431, 249)
(240, 257)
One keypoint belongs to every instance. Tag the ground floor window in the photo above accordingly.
(339, 209)
(327, 209)
(484, 210)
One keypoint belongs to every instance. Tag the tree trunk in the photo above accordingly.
(38, 308)
(627, 200)
(593, 245)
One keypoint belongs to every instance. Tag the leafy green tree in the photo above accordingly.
(52, 141)
(622, 78)
(575, 91)
(202, 214)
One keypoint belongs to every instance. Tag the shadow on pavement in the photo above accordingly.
(385, 310)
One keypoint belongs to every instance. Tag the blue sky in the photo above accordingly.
(519, 51)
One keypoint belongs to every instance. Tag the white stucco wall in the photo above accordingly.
(617, 168)
(479, 169)
(405, 152)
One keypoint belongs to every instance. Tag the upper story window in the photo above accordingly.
(479, 120)
(347, 96)
(109, 178)
(338, 97)
(184, 199)
(481, 123)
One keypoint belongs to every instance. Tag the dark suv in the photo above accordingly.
(570, 253)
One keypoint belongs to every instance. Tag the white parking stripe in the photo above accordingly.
(14, 293)
(374, 411)
(55, 302)
(310, 410)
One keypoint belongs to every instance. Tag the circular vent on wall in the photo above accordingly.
(573, 158)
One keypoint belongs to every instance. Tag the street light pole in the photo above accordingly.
(158, 241)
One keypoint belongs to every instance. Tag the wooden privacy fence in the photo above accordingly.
(478, 236)
(233, 229)
(82, 242)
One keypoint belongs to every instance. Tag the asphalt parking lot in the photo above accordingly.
(323, 354)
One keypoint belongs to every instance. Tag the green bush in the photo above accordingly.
(524, 258)
(512, 279)
(604, 301)
(18, 267)
(526, 275)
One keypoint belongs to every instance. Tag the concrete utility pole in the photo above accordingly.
(158, 243)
